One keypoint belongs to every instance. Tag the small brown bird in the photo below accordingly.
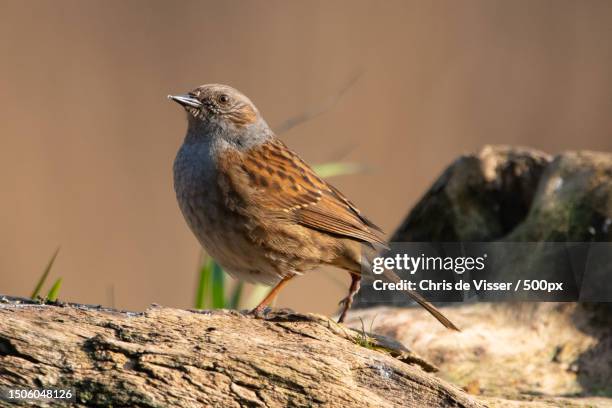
(258, 209)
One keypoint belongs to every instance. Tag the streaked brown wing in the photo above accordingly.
(287, 187)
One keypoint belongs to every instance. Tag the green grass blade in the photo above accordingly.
(236, 295)
(54, 291)
(44, 276)
(203, 291)
(218, 287)
(337, 169)
(257, 294)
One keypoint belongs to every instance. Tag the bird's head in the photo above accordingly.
(221, 109)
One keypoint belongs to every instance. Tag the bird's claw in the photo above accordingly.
(260, 313)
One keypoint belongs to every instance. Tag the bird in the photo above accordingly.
(257, 208)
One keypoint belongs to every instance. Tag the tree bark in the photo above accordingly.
(178, 358)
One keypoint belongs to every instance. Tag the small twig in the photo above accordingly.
(111, 295)
(312, 113)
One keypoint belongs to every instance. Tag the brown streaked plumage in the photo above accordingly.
(275, 178)
(256, 207)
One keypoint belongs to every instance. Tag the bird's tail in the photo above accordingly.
(424, 303)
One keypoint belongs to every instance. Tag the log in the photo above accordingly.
(183, 358)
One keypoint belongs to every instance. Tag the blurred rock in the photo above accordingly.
(573, 201)
(515, 194)
(477, 198)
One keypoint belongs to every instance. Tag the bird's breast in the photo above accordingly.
(241, 238)
(219, 229)
(195, 184)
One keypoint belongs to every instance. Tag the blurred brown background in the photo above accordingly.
(88, 137)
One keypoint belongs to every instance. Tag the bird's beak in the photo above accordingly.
(186, 100)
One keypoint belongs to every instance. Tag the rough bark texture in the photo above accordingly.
(176, 358)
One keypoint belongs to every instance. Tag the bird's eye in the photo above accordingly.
(223, 98)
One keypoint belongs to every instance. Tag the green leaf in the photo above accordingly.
(236, 295)
(44, 276)
(218, 287)
(203, 291)
(54, 291)
(333, 169)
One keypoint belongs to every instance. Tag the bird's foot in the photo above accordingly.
(260, 312)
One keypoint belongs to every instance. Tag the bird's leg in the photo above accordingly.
(258, 311)
(348, 300)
